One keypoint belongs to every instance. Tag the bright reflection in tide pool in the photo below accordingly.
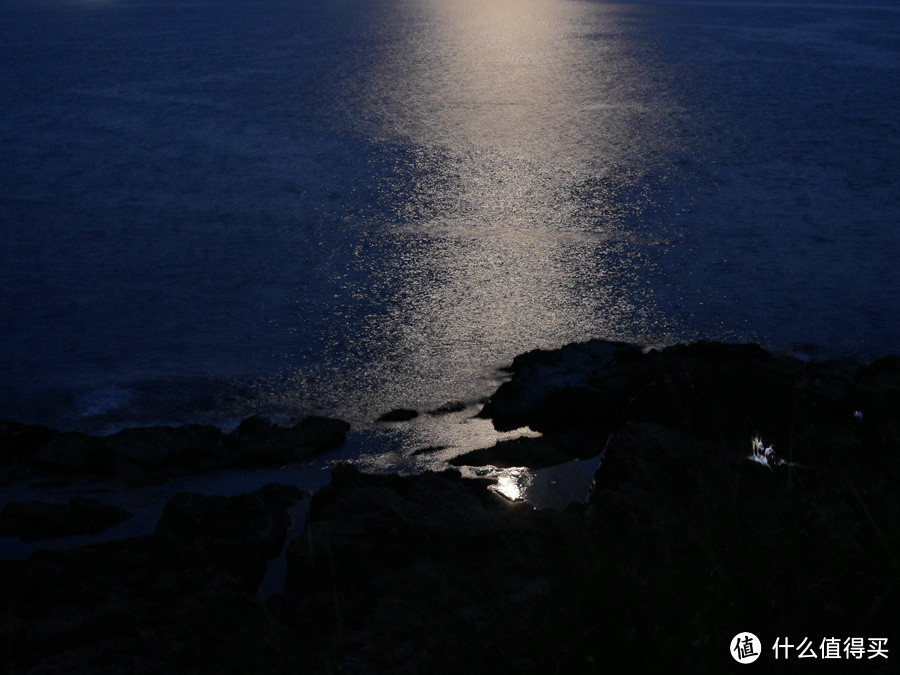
(512, 483)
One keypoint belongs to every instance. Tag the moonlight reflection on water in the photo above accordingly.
(506, 212)
(218, 208)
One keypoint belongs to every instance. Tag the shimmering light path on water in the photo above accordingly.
(216, 208)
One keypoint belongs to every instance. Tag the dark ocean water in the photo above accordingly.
(212, 208)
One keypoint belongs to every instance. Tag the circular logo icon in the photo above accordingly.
(745, 647)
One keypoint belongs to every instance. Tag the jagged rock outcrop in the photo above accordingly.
(724, 394)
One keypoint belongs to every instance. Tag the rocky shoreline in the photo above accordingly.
(738, 490)
(156, 454)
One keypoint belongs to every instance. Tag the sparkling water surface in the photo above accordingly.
(214, 208)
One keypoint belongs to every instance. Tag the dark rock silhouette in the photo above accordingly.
(429, 450)
(258, 442)
(180, 600)
(535, 453)
(737, 490)
(393, 572)
(398, 415)
(448, 408)
(723, 394)
(233, 534)
(154, 454)
(31, 521)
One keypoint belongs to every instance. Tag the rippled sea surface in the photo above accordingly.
(211, 207)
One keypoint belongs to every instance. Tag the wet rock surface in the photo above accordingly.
(155, 454)
(691, 534)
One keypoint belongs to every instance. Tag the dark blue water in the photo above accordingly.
(212, 208)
